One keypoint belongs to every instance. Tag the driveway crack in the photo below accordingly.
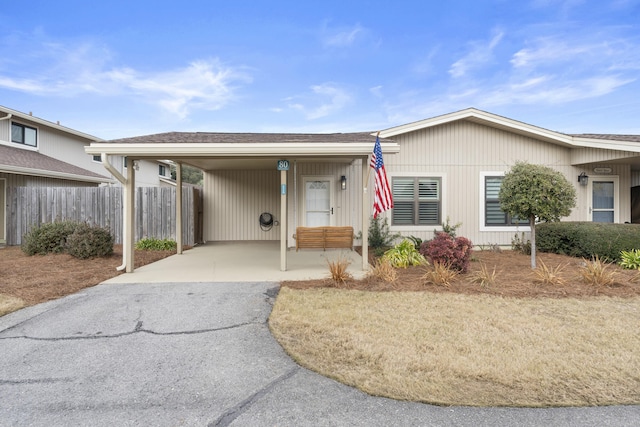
(138, 329)
(232, 413)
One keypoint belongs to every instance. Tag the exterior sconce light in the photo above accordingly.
(343, 182)
(583, 179)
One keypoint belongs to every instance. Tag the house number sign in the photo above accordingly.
(283, 165)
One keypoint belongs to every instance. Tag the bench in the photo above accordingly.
(323, 237)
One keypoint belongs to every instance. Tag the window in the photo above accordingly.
(22, 134)
(124, 162)
(97, 158)
(494, 216)
(416, 201)
(162, 170)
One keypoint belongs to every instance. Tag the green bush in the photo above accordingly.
(153, 244)
(403, 255)
(89, 241)
(379, 234)
(48, 238)
(588, 239)
(630, 259)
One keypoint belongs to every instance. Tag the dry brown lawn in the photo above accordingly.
(514, 342)
(28, 280)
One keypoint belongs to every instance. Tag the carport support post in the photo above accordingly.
(179, 207)
(129, 214)
(365, 214)
(283, 220)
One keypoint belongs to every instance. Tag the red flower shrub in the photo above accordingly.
(454, 252)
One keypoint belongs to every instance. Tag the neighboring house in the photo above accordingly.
(39, 153)
(446, 167)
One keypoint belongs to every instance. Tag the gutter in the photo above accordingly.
(108, 166)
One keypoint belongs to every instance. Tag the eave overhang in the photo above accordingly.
(52, 174)
(238, 150)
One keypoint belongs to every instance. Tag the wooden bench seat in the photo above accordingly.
(323, 237)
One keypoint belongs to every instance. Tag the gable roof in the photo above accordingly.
(10, 114)
(27, 162)
(610, 142)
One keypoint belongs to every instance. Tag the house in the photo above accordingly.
(38, 153)
(446, 167)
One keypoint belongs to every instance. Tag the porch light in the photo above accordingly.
(343, 182)
(583, 179)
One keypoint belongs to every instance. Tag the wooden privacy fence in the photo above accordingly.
(102, 206)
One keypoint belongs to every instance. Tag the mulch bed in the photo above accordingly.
(514, 278)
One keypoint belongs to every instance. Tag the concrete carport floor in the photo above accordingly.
(196, 354)
(242, 262)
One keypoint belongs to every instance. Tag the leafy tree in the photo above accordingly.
(190, 174)
(536, 192)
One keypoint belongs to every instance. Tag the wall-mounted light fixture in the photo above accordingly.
(583, 179)
(343, 182)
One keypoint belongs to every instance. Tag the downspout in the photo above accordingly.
(7, 117)
(108, 166)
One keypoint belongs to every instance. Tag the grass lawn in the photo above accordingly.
(476, 350)
(508, 344)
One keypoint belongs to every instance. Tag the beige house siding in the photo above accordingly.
(233, 200)
(461, 153)
(591, 155)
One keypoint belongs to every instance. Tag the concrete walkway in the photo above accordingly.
(198, 354)
(241, 262)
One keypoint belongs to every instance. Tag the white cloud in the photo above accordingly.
(480, 54)
(329, 96)
(84, 68)
(342, 37)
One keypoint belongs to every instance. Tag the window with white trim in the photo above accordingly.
(162, 170)
(97, 158)
(494, 216)
(416, 200)
(22, 134)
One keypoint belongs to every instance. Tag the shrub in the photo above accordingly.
(519, 244)
(549, 276)
(449, 229)
(153, 244)
(89, 241)
(630, 259)
(48, 238)
(379, 234)
(453, 252)
(588, 239)
(416, 241)
(483, 277)
(596, 272)
(403, 255)
(338, 270)
(440, 274)
(383, 270)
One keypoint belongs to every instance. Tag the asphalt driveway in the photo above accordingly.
(197, 354)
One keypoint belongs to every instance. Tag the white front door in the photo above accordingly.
(318, 201)
(603, 199)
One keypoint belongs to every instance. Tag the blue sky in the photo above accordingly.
(124, 68)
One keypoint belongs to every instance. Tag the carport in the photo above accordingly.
(210, 151)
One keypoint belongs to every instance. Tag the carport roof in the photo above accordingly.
(245, 138)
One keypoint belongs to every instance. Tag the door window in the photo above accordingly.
(318, 203)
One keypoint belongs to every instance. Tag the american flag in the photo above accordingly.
(383, 199)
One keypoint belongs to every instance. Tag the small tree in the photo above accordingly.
(536, 192)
